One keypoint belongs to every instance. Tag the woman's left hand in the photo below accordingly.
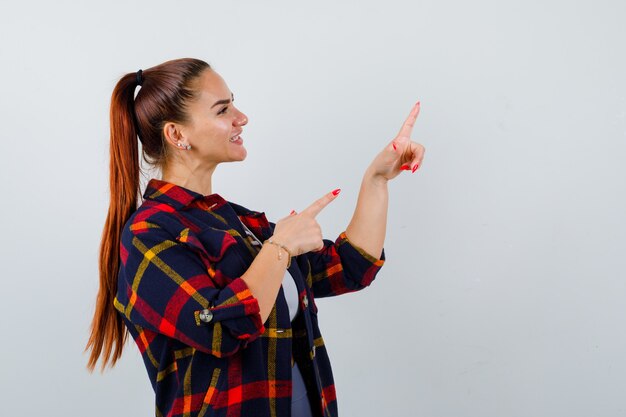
(401, 153)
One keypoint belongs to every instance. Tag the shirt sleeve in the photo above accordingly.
(341, 267)
(164, 286)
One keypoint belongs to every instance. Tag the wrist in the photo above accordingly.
(282, 240)
(283, 252)
(375, 179)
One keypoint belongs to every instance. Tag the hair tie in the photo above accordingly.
(139, 77)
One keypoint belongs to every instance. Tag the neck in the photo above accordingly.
(199, 180)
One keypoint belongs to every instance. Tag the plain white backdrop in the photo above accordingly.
(503, 291)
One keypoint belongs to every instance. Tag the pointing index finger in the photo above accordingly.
(407, 127)
(317, 206)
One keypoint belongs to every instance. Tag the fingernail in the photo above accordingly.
(394, 145)
(292, 211)
(418, 103)
(335, 192)
(405, 167)
(415, 167)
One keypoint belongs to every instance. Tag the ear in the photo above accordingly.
(173, 133)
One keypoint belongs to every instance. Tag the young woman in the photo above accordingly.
(219, 300)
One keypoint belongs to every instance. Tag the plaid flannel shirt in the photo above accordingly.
(198, 326)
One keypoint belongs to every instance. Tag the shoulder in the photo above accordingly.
(153, 220)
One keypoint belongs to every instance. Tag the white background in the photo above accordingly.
(503, 291)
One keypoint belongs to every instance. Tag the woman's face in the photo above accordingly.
(214, 120)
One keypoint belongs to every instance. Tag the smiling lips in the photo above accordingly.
(236, 139)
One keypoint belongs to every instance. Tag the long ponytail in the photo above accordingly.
(108, 334)
(165, 90)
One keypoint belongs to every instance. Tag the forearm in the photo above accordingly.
(369, 222)
(264, 277)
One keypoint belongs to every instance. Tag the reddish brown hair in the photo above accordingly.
(163, 97)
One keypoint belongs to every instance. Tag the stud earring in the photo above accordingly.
(184, 146)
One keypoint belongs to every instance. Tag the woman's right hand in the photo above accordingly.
(300, 232)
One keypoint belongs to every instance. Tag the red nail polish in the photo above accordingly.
(335, 192)
(415, 167)
(394, 146)
(405, 167)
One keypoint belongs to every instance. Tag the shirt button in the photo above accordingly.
(313, 351)
(305, 301)
(206, 315)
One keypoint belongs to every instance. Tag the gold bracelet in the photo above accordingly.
(280, 254)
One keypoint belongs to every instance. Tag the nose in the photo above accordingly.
(242, 119)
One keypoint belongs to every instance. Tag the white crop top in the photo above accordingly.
(289, 285)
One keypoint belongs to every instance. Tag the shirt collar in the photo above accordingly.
(179, 197)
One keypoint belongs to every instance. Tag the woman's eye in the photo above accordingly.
(223, 110)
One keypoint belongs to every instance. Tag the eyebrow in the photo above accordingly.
(225, 101)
